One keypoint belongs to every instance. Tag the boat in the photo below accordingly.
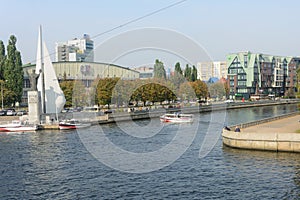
(177, 118)
(17, 126)
(72, 124)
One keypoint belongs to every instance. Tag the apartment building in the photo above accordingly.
(260, 74)
(75, 50)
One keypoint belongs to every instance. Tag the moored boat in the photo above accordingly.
(177, 118)
(72, 124)
(17, 126)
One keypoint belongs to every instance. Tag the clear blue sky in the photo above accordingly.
(221, 27)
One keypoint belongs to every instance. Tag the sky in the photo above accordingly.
(192, 31)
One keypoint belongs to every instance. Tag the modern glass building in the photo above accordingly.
(258, 74)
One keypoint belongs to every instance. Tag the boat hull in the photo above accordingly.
(17, 126)
(18, 129)
(177, 118)
(69, 126)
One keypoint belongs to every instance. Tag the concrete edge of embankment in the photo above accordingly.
(275, 141)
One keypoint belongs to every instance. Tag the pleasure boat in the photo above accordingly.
(17, 126)
(177, 118)
(72, 124)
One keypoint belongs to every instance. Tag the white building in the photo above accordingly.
(145, 72)
(207, 70)
(75, 50)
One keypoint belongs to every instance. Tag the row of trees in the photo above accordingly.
(11, 72)
(181, 85)
(117, 91)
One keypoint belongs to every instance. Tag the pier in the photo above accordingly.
(271, 134)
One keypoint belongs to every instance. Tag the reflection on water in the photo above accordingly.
(56, 165)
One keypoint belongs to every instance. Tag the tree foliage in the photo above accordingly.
(217, 90)
(74, 92)
(187, 92)
(178, 69)
(159, 70)
(188, 73)
(104, 91)
(177, 79)
(67, 88)
(156, 90)
(200, 89)
(2, 59)
(13, 71)
(194, 74)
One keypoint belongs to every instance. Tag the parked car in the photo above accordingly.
(21, 112)
(11, 112)
(108, 111)
(3, 112)
(229, 101)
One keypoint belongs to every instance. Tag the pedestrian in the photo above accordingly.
(237, 129)
(226, 128)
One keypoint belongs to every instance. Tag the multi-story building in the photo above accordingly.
(260, 74)
(87, 72)
(75, 50)
(207, 70)
(145, 72)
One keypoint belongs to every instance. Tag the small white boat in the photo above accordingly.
(72, 124)
(177, 118)
(17, 126)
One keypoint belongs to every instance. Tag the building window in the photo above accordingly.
(26, 83)
(242, 83)
(242, 91)
(245, 60)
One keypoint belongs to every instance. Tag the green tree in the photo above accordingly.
(159, 70)
(194, 74)
(187, 92)
(2, 59)
(67, 88)
(104, 92)
(187, 73)
(200, 88)
(177, 79)
(178, 69)
(13, 71)
(217, 90)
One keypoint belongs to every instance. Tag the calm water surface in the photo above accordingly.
(56, 165)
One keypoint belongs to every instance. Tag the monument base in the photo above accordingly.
(34, 107)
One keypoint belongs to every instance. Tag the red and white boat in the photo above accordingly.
(177, 118)
(72, 124)
(17, 126)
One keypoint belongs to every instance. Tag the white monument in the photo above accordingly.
(34, 99)
(46, 96)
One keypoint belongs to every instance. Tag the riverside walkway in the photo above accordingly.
(284, 125)
(273, 134)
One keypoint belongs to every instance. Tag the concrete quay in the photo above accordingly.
(271, 134)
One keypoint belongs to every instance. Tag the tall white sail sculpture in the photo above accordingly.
(52, 97)
(38, 68)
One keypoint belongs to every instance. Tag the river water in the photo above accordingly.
(64, 165)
